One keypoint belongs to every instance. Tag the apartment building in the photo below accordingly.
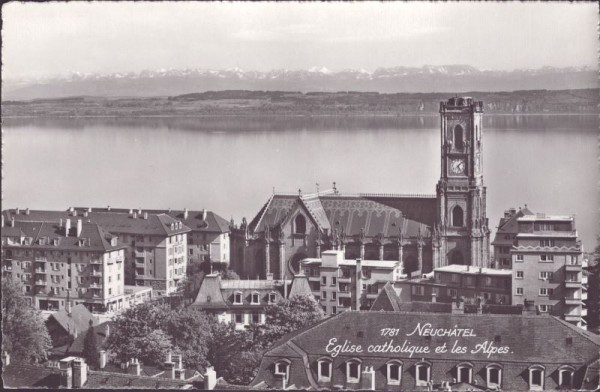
(65, 263)
(208, 238)
(447, 284)
(340, 285)
(547, 266)
(155, 244)
(506, 234)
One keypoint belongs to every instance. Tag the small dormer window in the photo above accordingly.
(56, 242)
(272, 298)
(423, 373)
(237, 298)
(255, 298)
(464, 372)
(353, 371)
(324, 369)
(536, 378)
(494, 376)
(282, 368)
(81, 242)
(394, 372)
(565, 377)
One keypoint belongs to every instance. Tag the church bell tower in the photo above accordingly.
(461, 235)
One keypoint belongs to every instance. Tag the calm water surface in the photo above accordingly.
(232, 164)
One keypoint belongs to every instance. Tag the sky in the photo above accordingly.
(42, 39)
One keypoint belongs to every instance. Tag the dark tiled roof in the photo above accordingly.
(114, 222)
(76, 347)
(373, 214)
(104, 380)
(79, 319)
(213, 223)
(509, 225)
(530, 338)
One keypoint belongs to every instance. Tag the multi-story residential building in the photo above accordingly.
(62, 265)
(208, 239)
(243, 302)
(156, 244)
(341, 285)
(452, 282)
(547, 266)
(505, 236)
(405, 351)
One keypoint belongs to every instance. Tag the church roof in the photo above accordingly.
(373, 213)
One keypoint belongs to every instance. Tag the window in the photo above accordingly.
(536, 378)
(458, 137)
(464, 372)
(488, 280)
(519, 275)
(333, 281)
(300, 224)
(333, 310)
(272, 298)
(543, 292)
(239, 318)
(519, 258)
(353, 371)
(452, 292)
(255, 299)
(324, 369)
(423, 373)
(394, 372)
(572, 260)
(255, 318)
(545, 308)
(323, 280)
(547, 258)
(457, 217)
(546, 242)
(237, 298)
(282, 369)
(565, 377)
(333, 296)
(519, 291)
(494, 376)
(417, 290)
(324, 295)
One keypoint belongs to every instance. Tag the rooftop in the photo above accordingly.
(544, 217)
(352, 263)
(467, 269)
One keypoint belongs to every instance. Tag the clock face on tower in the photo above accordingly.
(457, 166)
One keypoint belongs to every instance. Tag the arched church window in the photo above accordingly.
(458, 137)
(457, 217)
(300, 224)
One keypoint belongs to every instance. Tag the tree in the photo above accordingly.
(90, 347)
(190, 331)
(228, 274)
(286, 316)
(139, 332)
(24, 332)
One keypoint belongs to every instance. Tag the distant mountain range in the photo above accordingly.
(426, 79)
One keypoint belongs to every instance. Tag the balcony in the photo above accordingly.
(572, 318)
(7, 268)
(345, 279)
(96, 273)
(344, 294)
(572, 284)
(94, 286)
(138, 253)
(40, 259)
(40, 271)
(41, 283)
(572, 267)
(572, 301)
(140, 272)
(96, 261)
(314, 278)
(372, 295)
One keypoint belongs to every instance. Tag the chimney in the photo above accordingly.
(79, 373)
(130, 212)
(367, 380)
(67, 227)
(204, 214)
(66, 374)
(169, 370)
(458, 307)
(102, 360)
(135, 215)
(68, 307)
(17, 211)
(79, 227)
(60, 223)
(185, 213)
(107, 208)
(12, 221)
(270, 276)
(358, 283)
(135, 367)
(27, 211)
(85, 214)
(145, 215)
(139, 211)
(433, 296)
(74, 213)
(210, 379)
(89, 209)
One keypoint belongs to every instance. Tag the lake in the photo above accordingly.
(232, 164)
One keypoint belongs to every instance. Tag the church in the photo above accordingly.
(421, 232)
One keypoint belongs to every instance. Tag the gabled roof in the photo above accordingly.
(78, 320)
(374, 214)
(114, 222)
(387, 299)
(94, 237)
(30, 376)
(76, 347)
(509, 225)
